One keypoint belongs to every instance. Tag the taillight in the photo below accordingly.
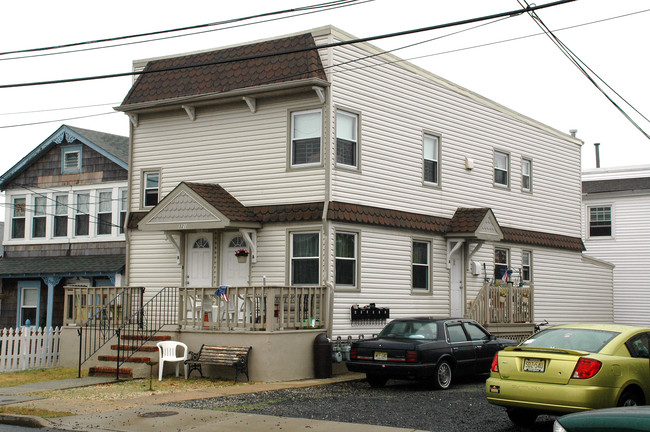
(411, 356)
(495, 363)
(586, 368)
(353, 353)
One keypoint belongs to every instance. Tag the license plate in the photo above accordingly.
(534, 365)
(381, 355)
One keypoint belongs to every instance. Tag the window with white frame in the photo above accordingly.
(61, 216)
(151, 190)
(18, 218)
(71, 159)
(431, 151)
(526, 266)
(346, 259)
(124, 201)
(306, 132)
(501, 168)
(501, 263)
(347, 140)
(600, 221)
(82, 215)
(526, 175)
(421, 265)
(29, 306)
(38, 217)
(305, 247)
(104, 212)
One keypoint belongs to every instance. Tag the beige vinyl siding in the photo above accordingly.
(244, 152)
(628, 251)
(397, 106)
(152, 262)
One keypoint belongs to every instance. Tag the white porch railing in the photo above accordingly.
(268, 308)
(29, 348)
(505, 304)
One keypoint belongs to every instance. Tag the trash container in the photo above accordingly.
(322, 356)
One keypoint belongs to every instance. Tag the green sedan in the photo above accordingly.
(571, 368)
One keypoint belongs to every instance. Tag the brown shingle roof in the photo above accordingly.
(289, 212)
(220, 199)
(536, 238)
(467, 220)
(228, 69)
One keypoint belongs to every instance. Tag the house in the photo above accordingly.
(615, 207)
(338, 168)
(66, 204)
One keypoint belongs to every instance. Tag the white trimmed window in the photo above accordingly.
(104, 212)
(501, 169)
(600, 221)
(151, 189)
(347, 138)
(305, 258)
(29, 306)
(431, 152)
(82, 215)
(306, 132)
(526, 175)
(39, 218)
(124, 202)
(526, 266)
(61, 216)
(18, 219)
(420, 265)
(346, 259)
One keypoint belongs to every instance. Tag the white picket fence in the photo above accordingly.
(29, 348)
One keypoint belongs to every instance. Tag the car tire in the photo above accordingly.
(442, 376)
(376, 381)
(629, 398)
(522, 417)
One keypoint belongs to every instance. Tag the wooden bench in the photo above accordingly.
(236, 357)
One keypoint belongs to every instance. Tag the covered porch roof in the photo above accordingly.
(62, 266)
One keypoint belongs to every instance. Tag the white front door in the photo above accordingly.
(233, 272)
(199, 260)
(456, 284)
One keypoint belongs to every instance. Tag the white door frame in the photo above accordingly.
(206, 269)
(457, 290)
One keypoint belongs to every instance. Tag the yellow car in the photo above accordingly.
(570, 368)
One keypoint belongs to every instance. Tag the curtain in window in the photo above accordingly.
(82, 218)
(38, 221)
(305, 259)
(346, 139)
(345, 259)
(18, 219)
(61, 216)
(420, 265)
(306, 136)
(105, 214)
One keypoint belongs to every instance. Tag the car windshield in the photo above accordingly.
(570, 338)
(410, 330)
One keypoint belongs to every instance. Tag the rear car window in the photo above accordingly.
(573, 339)
(410, 330)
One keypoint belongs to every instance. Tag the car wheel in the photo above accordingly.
(522, 417)
(442, 375)
(376, 381)
(629, 398)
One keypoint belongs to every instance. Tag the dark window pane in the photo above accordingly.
(28, 314)
(104, 223)
(151, 197)
(305, 245)
(60, 226)
(346, 152)
(345, 270)
(305, 272)
(306, 151)
(420, 277)
(345, 246)
(431, 171)
(501, 177)
(81, 224)
(122, 219)
(420, 253)
(456, 333)
(18, 228)
(38, 227)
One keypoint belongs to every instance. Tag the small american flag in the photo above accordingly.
(221, 292)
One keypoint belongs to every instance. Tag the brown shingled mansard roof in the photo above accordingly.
(228, 69)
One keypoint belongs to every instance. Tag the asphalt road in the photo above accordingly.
(406, 404)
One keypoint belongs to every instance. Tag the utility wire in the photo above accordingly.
(293, 51)
(326, 5)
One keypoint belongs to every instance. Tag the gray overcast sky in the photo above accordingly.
(528, 75)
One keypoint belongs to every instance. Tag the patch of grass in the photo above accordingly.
(249, 407)
(39, 412)
(9, 379)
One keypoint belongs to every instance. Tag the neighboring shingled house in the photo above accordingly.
(616, 204)
(66, 206)
(344, 166)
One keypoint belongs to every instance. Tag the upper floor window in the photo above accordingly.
(18, 219)
(431, 151)
(151, 190)
(346, 259)
(82, 218)
(104, 212)
(61, 216)
(501, 263)
(305, 258)
(71, 159)
(600, 221)
(501, 169)
(124, 201)
(39, 217)
(306, 132)
(526, 175)
(347, 138)
(420, 265)
(526, 266)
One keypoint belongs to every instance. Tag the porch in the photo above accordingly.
(505, 310)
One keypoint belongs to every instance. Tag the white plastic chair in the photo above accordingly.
(168, 353)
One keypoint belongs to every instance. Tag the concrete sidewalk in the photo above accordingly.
(146, 414)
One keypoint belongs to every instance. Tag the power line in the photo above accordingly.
(293, 51)
(326, 6)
